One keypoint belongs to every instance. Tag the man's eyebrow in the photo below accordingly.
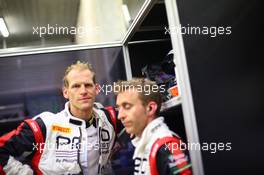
(73, 84)
(122, 104)
(90, 83)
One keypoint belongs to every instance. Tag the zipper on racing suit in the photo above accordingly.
(79, 148)
(100, 147)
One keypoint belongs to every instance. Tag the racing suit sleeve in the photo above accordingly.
(172, 162)
(112, 114)
(119, 125)
(19, 143)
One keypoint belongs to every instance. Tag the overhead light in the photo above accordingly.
(3, 28)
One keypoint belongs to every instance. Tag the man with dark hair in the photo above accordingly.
(157, 149)
(77, 140)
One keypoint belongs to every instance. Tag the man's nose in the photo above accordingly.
(83, 89)
(121, 114)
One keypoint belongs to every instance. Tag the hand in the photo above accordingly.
(25, 170)
(14, 167)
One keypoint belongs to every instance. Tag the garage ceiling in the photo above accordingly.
(22, 15)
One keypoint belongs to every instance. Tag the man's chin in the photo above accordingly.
(86, 106)
(129, 131)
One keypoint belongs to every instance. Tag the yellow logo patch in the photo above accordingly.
(61, 129)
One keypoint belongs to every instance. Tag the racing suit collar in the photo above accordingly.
(75, 120)
(141, 142)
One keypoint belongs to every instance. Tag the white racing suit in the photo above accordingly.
(60, 144)
(157, 153)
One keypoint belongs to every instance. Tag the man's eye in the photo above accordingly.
(76, 86)
(127, 106)
(88, 85)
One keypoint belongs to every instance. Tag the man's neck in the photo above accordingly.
(150, 119)
(85, 115)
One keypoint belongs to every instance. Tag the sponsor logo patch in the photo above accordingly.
(61, 129)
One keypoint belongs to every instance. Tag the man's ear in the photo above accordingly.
(152, 108)
(97, 88)
(65, 92)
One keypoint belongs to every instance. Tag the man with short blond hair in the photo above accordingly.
(77, 140)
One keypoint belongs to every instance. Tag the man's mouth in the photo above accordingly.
(126, 124)
(84, 99)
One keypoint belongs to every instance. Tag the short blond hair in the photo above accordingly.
(147, 92)
(79, 65)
